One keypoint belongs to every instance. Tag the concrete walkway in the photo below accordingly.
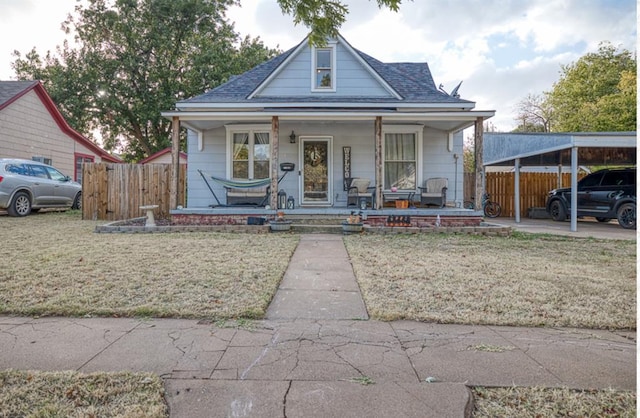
(317, 356)
(319, 283)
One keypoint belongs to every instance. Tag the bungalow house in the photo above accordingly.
(32, 127)
(312, 119)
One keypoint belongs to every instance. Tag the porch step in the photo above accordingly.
(328, 228)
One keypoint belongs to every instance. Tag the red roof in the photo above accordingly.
(161, 153)
(38, 88)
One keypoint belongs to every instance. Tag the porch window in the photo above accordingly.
(400, 163)
(250, 155)
(323, 69)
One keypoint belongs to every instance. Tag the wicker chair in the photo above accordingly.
(434, 192)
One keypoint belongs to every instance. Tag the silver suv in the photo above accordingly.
(27, 186)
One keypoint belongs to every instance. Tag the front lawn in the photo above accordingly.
(54, 264)
(522, 280)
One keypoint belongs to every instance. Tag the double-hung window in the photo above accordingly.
(323, 77)
(401, 159)
(250, 154)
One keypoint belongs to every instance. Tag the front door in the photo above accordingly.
(316, 168)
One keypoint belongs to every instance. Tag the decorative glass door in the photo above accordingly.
(316, 166)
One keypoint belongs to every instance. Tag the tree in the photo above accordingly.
(596, 93)
(324, 17)
(534, 114)
(136, 58)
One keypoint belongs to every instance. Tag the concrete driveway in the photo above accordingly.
(587, 227)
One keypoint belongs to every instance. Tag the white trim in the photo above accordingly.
(329, 140)
(250, 129)
(417, 130)
(284, 114)
(261, 106)
(332, 48)
(371, 71)
(278, 69)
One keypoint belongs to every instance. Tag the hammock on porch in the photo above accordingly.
(238, 184)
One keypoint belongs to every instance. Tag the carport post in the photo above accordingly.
(574, 189)
(516, 204)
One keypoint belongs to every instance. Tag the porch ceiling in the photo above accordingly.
(448, 121)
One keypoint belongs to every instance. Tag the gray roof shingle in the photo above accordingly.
(10, 89)
(412, 81)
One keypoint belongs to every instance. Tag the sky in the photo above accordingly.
(501, 50)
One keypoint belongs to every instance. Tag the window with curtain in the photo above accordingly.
(400, 161)
(251, 155)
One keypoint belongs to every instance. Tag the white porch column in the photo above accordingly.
(478, 145)
(275, 134)
(175, 163)
(574, 189)
(517, 190)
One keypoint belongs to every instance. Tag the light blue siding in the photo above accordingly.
(352, 78)
(437, 160)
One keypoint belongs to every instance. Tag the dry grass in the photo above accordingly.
(54, 264)
(523, 280)
(552, 402)
(71, 394)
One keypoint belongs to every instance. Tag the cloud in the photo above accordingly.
(11, 9)
(502, 50)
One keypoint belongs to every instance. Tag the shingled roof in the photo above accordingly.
(10, 90)
(411, 81)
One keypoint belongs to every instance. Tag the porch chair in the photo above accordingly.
(359, 189)
(434, 192)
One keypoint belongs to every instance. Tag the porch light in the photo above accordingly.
(292, 137)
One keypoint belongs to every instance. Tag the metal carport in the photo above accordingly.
(544, 149)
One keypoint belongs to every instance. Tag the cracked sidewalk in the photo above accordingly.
(316, 356)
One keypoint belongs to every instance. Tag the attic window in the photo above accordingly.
(324, 69)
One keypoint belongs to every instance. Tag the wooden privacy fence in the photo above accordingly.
(533, 189)
(116, 191)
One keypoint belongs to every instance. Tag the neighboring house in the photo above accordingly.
(32, 127)
(336, 113)
(163, 157)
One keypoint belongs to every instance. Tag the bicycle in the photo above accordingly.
(490, 208)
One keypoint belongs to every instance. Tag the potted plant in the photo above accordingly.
(280, 223)
(353, 223)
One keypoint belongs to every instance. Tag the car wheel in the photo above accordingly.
(20, 205)
(599, 219)
(77, 202)
(557, 211)
(627, 216)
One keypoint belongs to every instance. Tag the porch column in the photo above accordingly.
(517, 190)
(175, 163)
(378, 162)
(478, 145)
(275, 133)
(574, 189)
